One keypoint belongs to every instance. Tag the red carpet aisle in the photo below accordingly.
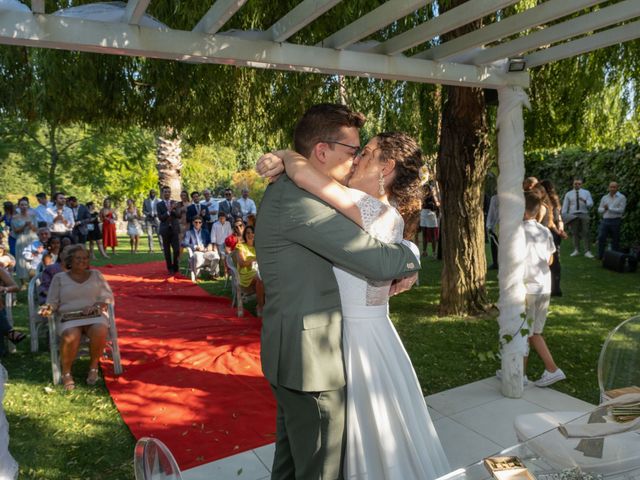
(192, 374)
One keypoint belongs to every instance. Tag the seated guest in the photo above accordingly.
(7, 285)
(248, 267)
(33, 252)
(7, 260)
(251, 220)
(47, 275)
(219, 232)
(237, 232)
(53, 249)
(80, 297)
(198, 240)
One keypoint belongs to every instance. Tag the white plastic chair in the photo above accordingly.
(54, 346)
(36, 322)
(152, 460)
(238, 295)
(9, 298)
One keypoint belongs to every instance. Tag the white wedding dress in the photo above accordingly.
(390, 434)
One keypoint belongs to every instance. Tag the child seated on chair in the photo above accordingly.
(537, 279)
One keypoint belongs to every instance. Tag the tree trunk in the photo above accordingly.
(54, 157)
(169, 162)
(462, 166)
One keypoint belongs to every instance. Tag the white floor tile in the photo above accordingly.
(556, 401)
(265, 454)
(463, 446)
(494, 420)
(244, 466)
(462, 398)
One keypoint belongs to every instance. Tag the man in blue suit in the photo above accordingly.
(196, 209)
(204, 254)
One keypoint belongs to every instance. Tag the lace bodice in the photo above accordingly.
(384, 223)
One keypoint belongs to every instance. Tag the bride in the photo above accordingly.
(390, 434)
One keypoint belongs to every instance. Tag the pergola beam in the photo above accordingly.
(373, 21)
(580, 25)
(135, 11)
(219, 14)
(48, 31)
(613, 36)
(298, 18)
(449, 20)
(542, 13)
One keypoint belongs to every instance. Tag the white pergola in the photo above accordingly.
(548, 32)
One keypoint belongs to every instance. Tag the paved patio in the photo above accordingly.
(473, 421)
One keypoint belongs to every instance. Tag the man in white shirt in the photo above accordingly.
(611, 208)
(247, 205)
(212, 209)
(62, 217)
(219, 232)
(575, 214)
(43, 216)
(34, 251)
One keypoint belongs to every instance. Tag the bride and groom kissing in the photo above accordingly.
(329, 238)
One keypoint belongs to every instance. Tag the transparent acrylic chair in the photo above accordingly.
(619, 362)
(152, 460)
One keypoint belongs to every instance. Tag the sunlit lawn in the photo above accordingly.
(81, 435)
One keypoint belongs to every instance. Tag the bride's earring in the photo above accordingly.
(381, 184)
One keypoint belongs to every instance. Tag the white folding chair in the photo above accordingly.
(36, 322)
(54, 346)
(238, 296)
(152, 460)
(9, 298)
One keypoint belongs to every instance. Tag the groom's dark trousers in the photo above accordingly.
(298, 240)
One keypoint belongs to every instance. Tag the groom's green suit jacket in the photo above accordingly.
(298, 240)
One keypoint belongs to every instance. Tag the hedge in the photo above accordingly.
(597, 169)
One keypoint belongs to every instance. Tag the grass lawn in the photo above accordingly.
(80, 435)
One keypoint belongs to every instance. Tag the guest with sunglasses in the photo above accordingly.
(230, 207)
(198, 241)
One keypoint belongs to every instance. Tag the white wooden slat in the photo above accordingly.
(371, 22)
(219, 14)
(602, 18)
(542, 13)
(48, 31)
(298, 18)
(449, 20)
(135, 10)
(603, 39)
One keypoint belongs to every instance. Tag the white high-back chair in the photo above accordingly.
(9, 298)
(54, 346)
(36, 322)
(152, 460)
(618, 367)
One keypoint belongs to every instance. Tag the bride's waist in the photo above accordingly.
(355, 312)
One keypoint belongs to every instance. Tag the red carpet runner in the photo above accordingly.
(192, 374)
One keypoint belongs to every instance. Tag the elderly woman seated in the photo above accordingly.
(79, 297)
(248, 267)
(198, 241)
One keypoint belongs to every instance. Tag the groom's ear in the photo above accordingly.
(319, 151)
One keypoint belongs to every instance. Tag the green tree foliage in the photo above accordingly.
(597, 168)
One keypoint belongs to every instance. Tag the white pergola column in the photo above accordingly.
(511, 251)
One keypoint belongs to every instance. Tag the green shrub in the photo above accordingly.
(597, 168)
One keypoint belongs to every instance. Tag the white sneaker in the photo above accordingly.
(575, 253)
(499, 377)
(549, 378)
(588, 254)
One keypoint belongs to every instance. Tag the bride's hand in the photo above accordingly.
(270, 165)
(403, 284)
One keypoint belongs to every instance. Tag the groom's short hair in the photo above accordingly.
(323, 122)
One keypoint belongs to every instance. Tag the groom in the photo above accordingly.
(298, 240)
